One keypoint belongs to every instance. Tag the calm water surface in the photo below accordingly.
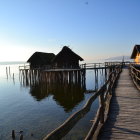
(39, 109)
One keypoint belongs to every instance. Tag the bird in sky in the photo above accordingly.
(86, 2)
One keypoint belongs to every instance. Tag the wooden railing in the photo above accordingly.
(104, 93)
(45, 67)
(135, 74)
(81, 66)
(105, 97)
(100, 65)
(25, 66)
(92, 65)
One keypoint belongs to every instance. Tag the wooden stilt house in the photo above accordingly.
(41, 60)
(136, 54)
(66, 58)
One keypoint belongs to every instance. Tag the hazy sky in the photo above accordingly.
(91, 28)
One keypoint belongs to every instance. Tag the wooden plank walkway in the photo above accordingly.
(124, 115)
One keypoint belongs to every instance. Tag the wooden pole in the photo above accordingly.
(21, 137)
(13, 76)
(7, 72)
(13, 134)
(102, 108)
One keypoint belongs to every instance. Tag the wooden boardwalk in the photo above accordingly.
(124, 115)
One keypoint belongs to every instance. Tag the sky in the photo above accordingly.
(94, 29)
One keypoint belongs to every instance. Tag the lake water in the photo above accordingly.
(39, 109)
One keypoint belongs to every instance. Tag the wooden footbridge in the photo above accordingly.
(118, 116)
(124, 116)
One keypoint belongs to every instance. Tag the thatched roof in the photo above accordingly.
(67, 54)
(41, 58)
(135, 51)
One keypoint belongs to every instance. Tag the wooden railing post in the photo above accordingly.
(102, 106)
(85, 66)
(135, 74)
(102, 110)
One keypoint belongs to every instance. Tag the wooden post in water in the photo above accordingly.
(9, 71)
(33, 77)
(21, 137)
(83, 78)
(13, 134)
(70, 77)
(6, 72)
(13, 79)
(67, 77)
(13, 76)
(23, 78)
(75, 76)
(60, 77)
(29, 77)
(26, 77)
(79, 77)
(96, 79)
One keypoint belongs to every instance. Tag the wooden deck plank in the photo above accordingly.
(124, 115)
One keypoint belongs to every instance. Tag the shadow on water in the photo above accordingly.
(65, 95)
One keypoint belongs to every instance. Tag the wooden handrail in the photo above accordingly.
(132, 66)
(82, 66)
(27, 66)
(103, 110)
(103, 92)
(135, 74)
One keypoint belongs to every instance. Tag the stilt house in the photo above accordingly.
(66, 58)
(136, 54)
(41, 60)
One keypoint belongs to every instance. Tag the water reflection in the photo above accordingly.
(40, 91)
(31, 107)
(66, 88)
(66, 95)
